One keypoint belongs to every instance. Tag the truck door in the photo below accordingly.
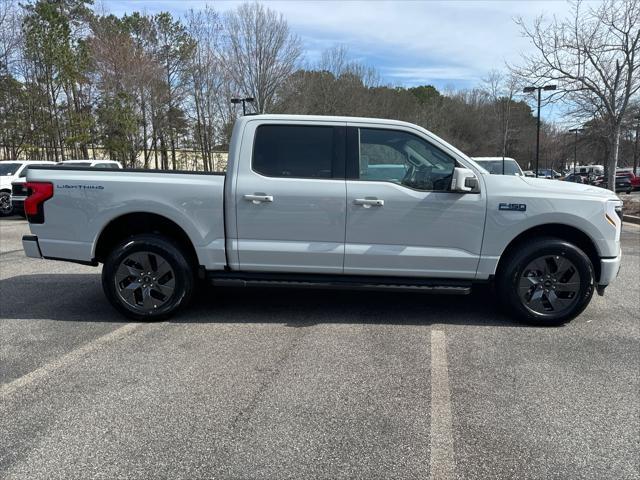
(402, 219)
(291, 197)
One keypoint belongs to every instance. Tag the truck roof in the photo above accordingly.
(240, 124)
(324, 118)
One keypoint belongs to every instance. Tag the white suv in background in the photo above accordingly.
(9, 172)
(91, 163)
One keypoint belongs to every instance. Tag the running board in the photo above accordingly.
(258, 279)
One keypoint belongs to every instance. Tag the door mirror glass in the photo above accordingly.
(464, 181)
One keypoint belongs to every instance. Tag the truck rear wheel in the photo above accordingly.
(546, 281)
(147, 277)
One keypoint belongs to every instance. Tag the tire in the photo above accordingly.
(531, 291)
(5, 204)
(147, 278)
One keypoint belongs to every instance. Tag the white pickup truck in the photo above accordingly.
(331, 202)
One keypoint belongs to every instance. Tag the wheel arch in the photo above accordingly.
(136, 223)
(558, 230)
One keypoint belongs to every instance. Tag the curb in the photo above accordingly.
(631, 219)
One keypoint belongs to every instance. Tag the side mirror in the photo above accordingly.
(464, 181)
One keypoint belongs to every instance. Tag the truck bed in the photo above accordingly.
(87, 200)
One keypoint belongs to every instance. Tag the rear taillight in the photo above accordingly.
(39, 192)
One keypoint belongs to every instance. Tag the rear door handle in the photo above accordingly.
(369, 202)
(257, 198)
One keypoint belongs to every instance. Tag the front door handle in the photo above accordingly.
(369, 202)
(257, 198)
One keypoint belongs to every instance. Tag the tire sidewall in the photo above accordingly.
(511, 275)
(184, 279)
(10, 211)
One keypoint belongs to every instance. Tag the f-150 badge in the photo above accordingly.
(516, 207)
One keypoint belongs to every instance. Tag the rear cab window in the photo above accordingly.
(107, 165)
(299, 151)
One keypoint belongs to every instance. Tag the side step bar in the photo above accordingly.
(350, 282)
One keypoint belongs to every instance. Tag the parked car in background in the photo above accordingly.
(576, 178)
(19, 192)
(529, 173)
(500, 165)
(549, 173)
(91, 163)
(632, 177)
(297, 206)
(9, 172)
(594, 170)
(623, 184)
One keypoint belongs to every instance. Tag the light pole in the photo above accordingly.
(575, 147)
(539, 89)
(635, 148)
(243, 101)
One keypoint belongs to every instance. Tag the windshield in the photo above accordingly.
(9, 168)
(494, 167)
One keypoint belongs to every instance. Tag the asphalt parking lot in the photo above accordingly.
(281, 383)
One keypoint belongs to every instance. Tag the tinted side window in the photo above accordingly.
(294, 151)
(400, 157)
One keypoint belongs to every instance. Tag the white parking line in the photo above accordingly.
(442, 459)
(66, 360)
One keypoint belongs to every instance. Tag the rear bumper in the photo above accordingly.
(31, 246)
(18, 204)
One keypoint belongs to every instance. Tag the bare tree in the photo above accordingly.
(594, 57)
(259, 52)
(207, 82)
(10, 35)
(501, 90)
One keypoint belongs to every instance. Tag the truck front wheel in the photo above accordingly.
(546, 281)
(147, 277)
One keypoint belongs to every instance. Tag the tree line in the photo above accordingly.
(153, 91)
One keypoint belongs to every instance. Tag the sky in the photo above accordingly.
(450, 43)
(441, 43)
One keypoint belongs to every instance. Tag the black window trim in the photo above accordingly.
(353, 156)
(338, 158)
